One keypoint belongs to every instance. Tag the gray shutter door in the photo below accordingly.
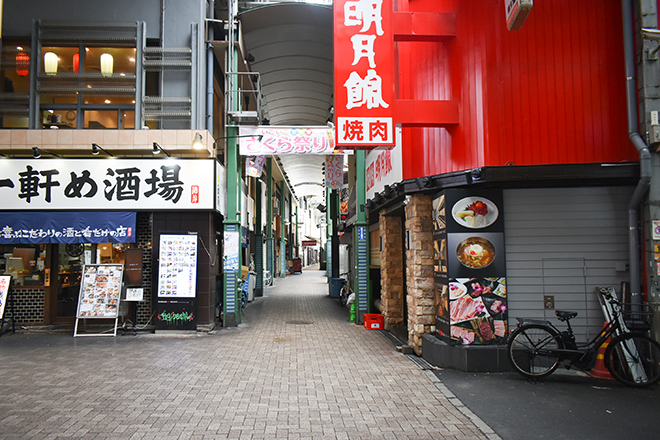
(564, 242)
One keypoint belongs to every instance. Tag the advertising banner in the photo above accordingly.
(128, 184)
(364, 73)
(470, 270)
(67, 227)
(334, 171)
(271, 140)
(255, 165)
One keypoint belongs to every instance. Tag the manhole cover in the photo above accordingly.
(300, 322)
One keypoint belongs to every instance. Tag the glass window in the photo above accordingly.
(24, 262)
(15, 83)
(96, 83)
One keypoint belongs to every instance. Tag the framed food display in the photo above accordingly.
(470, 267)
(100, 291)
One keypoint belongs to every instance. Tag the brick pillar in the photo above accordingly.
(392, 270)
(419, 270)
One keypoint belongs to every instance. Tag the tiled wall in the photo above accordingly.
(144, 232)
(137, 142)
(28, 305)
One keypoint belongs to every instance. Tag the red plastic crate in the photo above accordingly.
(373, 321)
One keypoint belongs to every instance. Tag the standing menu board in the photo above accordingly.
(176, 307)
(100, 290)
(177, 269)
(5, 281)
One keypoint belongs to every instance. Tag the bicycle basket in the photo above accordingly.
(637, 320)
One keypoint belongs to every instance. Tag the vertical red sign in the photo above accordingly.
(194, 194)
(364, 73)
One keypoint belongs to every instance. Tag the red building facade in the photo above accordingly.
(552, 92)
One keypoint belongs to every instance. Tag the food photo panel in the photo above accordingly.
(478, 211)
(476, 254)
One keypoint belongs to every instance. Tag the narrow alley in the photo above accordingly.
(295, 369)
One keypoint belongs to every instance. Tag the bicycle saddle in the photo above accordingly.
(564, 315)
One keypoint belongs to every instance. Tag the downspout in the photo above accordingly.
(209, 69)
(643, 150)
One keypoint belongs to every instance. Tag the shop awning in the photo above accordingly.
(67, 227)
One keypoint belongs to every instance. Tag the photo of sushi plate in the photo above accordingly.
(478, 310)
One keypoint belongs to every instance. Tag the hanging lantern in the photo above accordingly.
(76, 62)
(50, 63)
(22, 64)
(106, 64)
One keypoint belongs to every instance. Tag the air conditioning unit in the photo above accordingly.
(276, 211)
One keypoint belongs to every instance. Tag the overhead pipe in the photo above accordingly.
(643, 150)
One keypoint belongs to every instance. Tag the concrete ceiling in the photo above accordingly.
(292, 47)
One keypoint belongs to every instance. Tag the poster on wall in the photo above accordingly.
(231, 250)
(470, 263)
(100, 290)
(177, 268)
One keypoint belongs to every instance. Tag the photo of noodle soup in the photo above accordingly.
(475, 252)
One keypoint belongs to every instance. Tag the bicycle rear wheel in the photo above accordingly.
(268, 278)
(529, 349)
(634, 359)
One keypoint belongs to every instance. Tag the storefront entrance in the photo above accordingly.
(69, 260)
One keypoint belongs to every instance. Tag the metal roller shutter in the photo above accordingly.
(564, 242)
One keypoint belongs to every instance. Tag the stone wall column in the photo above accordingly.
(392, 270)
(419, 269)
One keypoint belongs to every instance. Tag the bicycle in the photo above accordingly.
(536, 348)
(243, 288)
(268, 278)
(345, 291)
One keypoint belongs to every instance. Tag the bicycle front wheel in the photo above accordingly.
(530, 349)
(634, 359)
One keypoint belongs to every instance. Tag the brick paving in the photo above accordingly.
(295, 369)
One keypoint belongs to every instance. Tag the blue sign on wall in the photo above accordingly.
(67, 227)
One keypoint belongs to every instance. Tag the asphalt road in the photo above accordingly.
(565, 405)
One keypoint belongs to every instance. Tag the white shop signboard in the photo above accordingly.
(384, 167)
(102, 184)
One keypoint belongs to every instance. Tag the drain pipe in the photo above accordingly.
(209, 69)
(643, 150)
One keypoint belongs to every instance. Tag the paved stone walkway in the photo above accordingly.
(295, 369)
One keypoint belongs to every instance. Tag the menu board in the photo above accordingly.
(5, 281)
(177, 269)
(470, 272)
(100, 289)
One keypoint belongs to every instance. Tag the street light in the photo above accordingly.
(157, 149)
(36, 152)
